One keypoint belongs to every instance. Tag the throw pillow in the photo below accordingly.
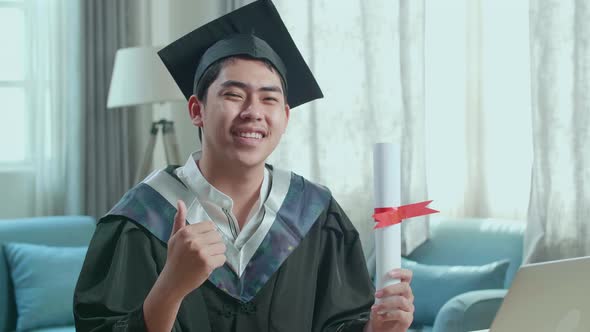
(434, 285)
(44, 279)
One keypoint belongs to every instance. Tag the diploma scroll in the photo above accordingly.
(386, 186)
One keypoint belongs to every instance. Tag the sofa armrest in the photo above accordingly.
(469, 311)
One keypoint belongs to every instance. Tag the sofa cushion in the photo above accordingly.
(434, 285)
(44, 279)
(488, 240)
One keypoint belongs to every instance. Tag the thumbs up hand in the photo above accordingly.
(179, 217)
(194, 251)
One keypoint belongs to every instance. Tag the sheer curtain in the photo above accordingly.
(55, 52)
(478, 108)
(108, 161)
(368, 59)
(80, 149)
(559, 209)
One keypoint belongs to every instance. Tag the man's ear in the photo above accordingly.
(287, 114)
(195, 110)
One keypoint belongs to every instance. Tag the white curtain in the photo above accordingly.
(368, 59)
(479, 145)
(54, 106)
(559, 209)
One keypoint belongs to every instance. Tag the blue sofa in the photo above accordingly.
(452, 242)
(467, 242)
(62, 231)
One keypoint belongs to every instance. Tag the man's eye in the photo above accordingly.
(233, 95)
(271, 99)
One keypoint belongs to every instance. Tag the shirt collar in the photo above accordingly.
(206, 192)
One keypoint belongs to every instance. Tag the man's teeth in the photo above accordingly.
(251, 135)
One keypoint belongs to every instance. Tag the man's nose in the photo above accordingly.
(253, 111)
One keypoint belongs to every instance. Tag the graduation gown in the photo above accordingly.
(308, 274)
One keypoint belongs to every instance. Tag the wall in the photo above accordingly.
(16, 193)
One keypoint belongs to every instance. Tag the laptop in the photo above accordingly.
(547, 297)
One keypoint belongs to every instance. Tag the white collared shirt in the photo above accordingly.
(218, 206)
(212, 204)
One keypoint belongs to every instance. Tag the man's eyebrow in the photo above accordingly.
(242, 85)
(272, 88)
(236, 84)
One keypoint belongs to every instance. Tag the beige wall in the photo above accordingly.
(17, 193)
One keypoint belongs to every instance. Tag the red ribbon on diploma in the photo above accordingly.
(388, 216)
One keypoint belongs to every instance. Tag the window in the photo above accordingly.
(14, 84)
(39, 104)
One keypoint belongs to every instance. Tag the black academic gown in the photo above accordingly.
(321, 285)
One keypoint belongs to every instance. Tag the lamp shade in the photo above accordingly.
(140, 77)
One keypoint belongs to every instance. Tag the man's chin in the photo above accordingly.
(249, 161)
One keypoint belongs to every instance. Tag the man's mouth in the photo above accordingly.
(250, 135)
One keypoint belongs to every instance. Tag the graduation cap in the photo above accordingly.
(255, 30)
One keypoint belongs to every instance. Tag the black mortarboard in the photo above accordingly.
(255, 30)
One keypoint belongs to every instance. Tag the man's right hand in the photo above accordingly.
(194, 251)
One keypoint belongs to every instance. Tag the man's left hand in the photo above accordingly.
(395, 311)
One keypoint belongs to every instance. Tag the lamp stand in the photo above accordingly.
(170, 147)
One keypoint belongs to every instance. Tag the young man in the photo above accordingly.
(226, 242)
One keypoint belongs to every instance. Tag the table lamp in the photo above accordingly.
(139, 78)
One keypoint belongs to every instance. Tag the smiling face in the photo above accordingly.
(243, 115)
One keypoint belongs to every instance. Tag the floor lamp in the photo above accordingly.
(140, 78)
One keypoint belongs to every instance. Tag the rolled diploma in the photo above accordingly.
(386, 185)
